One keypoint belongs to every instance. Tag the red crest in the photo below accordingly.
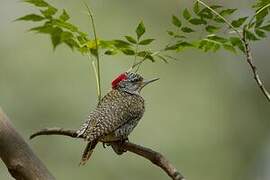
(116, 81)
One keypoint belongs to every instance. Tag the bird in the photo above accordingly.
(116, 115)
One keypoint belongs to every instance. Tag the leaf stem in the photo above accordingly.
(136, 52)
(96, 76)
(141, 61)
(96, 68)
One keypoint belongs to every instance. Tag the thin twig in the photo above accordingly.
(155, 157)
(254, 68)
(97, 82)
(136, 54)
(97, 51)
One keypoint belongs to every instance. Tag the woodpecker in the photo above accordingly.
(116, 115)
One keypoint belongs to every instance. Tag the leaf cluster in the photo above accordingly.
(57, 25)
(206, 28)
(214, 32)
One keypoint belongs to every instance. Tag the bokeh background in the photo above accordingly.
(206, 114)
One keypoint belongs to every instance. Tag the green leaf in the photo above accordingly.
(71, 43)
(257, 23)
(38, 3)
(106, 44)
(65, 25)
(110, 52)
(64, 16)
(140, 30)
(183, 45)
(263, 7)
(171, 33)
(146, 55)
(186, 14)
(216, 6)
(56, 37)
(251, 36)
(179, 46)
(196, 7)
(236, 41)
(216, 47)
(131, 39)
(229, 47)
(260, 33)
(217, 38)
(31, 17)
(219, 20)
(171, 47)
(146, 41)
(260, 4)
(91, 44)
(211, 29)
(187, 29)
(239, 22)
(261, 16)
(48, 13)
(197, 21)
(179, 36)
(207, 45)
(206, 13)
(65, 35)
(46, 29)
(162, 58)
(227, 12)
(266, 27)
(176, 21)
(120, 43)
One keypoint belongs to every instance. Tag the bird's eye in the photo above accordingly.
(135, 80)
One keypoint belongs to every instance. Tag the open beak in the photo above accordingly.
(145, 82)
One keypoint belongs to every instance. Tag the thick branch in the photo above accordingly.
(155, 157)
(254, 68)
(20, 160)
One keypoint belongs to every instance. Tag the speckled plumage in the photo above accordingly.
(114, 118)
(116, 115)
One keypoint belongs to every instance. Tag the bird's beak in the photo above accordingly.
(145, 82)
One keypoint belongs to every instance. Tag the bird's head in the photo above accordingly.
(130, 82)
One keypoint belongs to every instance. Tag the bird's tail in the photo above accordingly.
(88, 151)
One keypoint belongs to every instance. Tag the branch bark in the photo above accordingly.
(155, 157)
(18, 157)
(253, 67)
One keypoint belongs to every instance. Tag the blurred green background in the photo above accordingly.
(206, 114)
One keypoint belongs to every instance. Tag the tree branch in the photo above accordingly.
(155, 157)
(253, 67)
(20, 160)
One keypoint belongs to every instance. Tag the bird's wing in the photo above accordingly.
(106, 118)
(90, 121)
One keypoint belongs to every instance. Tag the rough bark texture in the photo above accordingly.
(18, 157)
